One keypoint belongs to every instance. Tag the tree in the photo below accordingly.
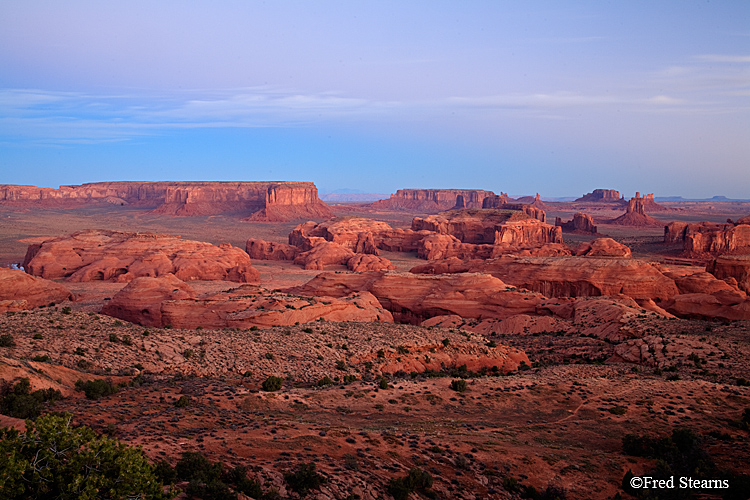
(53, 459)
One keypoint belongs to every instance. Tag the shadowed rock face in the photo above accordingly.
(99, 255)
(736, 267)
(19, 291)
(261, 201)
(707, 238)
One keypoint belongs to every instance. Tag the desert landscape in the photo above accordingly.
(439, 343)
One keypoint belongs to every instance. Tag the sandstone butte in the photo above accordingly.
(257, 201)
(19, 291)
(706, 238)
(602, 195)
(96, 255)
(635, 214)
(433, 200)
(166, 300)
(580, 223)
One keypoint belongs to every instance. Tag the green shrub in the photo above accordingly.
(272, 383)
(65, 452)
(458, 385)
(37, 336)
(416, 480)
(187, 353)
(66, 310)
(7, 340)
(42, 359)
(18, 401)
(113, 337)
(304, 478)
(383, 384)
(325, 381)
(95, 389)
(182, 402)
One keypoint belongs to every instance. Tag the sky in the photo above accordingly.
(558, 98)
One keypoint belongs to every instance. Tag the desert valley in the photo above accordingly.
(440, 343)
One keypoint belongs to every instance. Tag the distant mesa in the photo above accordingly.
(636, 213)
(345, 197)
(100, 255)
(256, 201)
(433, 200)
(602, 196)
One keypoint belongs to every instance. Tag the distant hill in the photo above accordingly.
(680, 198)
(342, 197)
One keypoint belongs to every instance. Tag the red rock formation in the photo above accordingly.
(444, 246)
(601, 195)
(581, 223)
(602, 247)
(19, 291)
(483, 226)
(706, 238)
(578, 276)
(414, 298)
(736, 267)
(266, 201)
(362, 262)
(269, 250)
(140, 300)
(635, 214)
(357, 234)
(527, 233)
(432, 200)
(115, 256)
(495, 201)
(167, 301)
(730, 305)
(324, 253)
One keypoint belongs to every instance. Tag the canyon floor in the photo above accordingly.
(556, 425)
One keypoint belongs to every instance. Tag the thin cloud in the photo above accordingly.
(723, 58)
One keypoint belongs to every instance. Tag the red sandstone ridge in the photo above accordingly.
(433, 200)
(732, 267)
(602, 247)
(581, 223)
(635, 214)
(706, 238)
(261, 201)
(414, 298)
(168, 301)
(19, 291)
(115, 256)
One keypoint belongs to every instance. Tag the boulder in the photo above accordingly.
(19, 290)
(96, 255)
(140, 301)
(270, 250)
(324, 253)
(362, 262)
(602, 247)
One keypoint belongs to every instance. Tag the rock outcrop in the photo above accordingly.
(322, 254)
(96, 255)
(362, 262)
(433, 200)
(167, 301)
(575, 276)
(261, 201)
(636, 214)
(415, 298)
(706, 238)
(602, 247)
(269, 250)
(20, 291)
(602, 196)
(732, 267)
(580, 223)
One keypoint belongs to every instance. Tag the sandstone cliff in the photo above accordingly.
(261, 201)
(707, 238)
(602, 195)
(580, 223)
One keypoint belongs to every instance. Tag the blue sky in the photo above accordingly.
(553, 97)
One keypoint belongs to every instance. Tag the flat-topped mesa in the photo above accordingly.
(602, 196)
(433, 200)
(635, 214)
(707, 238)
(490, 226)
(262, 201)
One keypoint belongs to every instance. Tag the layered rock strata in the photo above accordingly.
(20, 291)
(580, 223)
(433, 200)
(706, 238)
(96, 255)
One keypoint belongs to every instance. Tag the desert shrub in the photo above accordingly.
(416, 480)
(325, 381)
(18, 401)
(269, 356)
(66, 310)
(113, 337)
(341, 365)
(47, 461)
(348, 379)
(446, 342)
(304, 478)
(307, 330)
(187, 353)
(95, 389)
(37, 336)
(458, 385)
(383, 384)
(42, 359)
(182, 402)
(7, 340)
(491, 343)
(127, 340)
(272, 383)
